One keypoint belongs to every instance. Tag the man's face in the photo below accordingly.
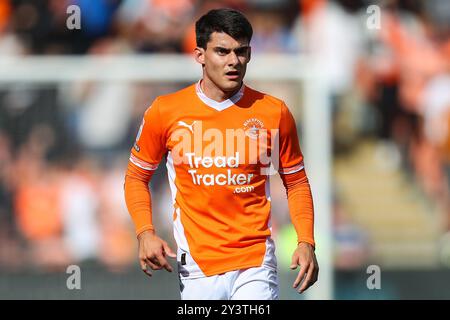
(225, 60)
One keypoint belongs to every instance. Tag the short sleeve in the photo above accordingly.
(150, 145)
(291, 157)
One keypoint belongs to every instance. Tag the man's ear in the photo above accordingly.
(199, 54)
(249, 54)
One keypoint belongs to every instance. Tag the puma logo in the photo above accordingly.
(184, 124)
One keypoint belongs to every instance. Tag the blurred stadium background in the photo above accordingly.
(65, 138)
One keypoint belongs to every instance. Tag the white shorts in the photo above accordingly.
(259, 283)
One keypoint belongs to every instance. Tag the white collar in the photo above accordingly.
(219, 106)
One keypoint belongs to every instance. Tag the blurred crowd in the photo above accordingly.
(64, 147)
(133, 26)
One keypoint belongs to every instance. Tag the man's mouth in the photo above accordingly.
(232, 74)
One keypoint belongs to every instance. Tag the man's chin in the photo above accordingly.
(232, 85)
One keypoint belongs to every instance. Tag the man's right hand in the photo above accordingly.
(153, 251)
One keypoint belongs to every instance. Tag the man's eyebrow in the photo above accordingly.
(228, 49)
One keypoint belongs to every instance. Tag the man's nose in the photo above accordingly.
(233, 59)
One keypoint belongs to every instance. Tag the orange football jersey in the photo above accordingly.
(219, 159)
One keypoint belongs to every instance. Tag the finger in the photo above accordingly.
(294, 262)
(155, 261)
(169, 251)
(144, 268)
(164, 264)
(316, 272)
(300, 275)
(308, 280)
(151, 262)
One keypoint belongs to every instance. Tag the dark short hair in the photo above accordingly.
(229, 21)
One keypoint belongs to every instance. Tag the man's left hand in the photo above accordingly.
(305, 257)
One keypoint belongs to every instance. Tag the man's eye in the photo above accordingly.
(241, 52)
(222, 51)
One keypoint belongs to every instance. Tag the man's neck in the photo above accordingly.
(213, 92)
